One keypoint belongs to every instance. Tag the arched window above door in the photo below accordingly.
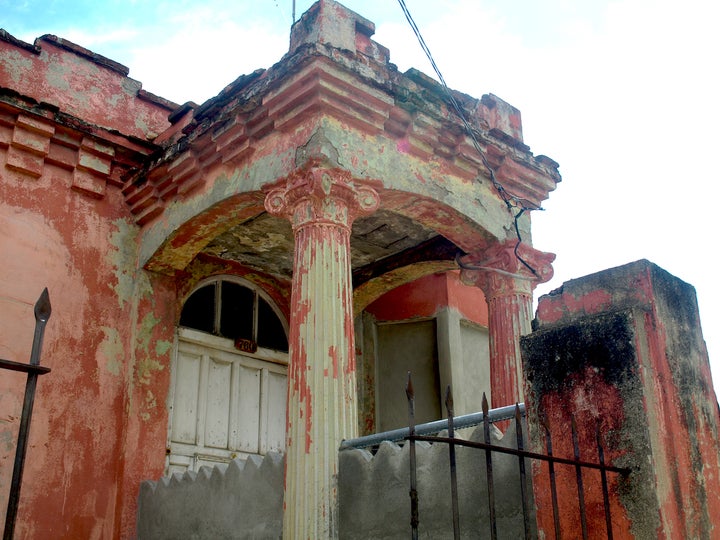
(227, 400)
(234, 310)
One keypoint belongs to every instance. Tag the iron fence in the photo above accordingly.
(414, 434)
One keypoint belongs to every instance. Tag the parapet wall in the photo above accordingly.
(244, 498)
(374, 499)
(240, 500)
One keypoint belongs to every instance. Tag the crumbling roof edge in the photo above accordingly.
(9, 38)
(158, 100)
(85, 53)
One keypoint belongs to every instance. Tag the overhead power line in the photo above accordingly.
(511, 200)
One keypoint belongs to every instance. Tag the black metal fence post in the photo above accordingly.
(33, 370)
(414, 514)
(489, 468)
(519, 451)
(453, 465)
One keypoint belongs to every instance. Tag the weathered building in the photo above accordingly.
(254, 273)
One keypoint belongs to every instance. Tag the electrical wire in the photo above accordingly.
(511, 200)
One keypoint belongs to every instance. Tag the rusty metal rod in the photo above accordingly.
(578, 475)
(523, 480)
(453, 465)
(414, 513)
(553, 485)
(42, 314)
(489, 469)
(25, 368)
(524, 453)
(603, 477)
(429, 428)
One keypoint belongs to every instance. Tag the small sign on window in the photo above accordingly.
(245, 345)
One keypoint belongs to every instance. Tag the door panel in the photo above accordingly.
(217, 412)
(248, 421)
(223, 404)
(185, 406)
(277, 398)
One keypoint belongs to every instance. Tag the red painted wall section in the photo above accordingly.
(426, 296)
(594, 406)
(72, 244)
(83, 84)
(624, 349)
(469, 301)
(146, 422)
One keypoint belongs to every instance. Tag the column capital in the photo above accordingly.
(317, 195)
(499, 270)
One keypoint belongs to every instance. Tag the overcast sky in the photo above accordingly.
(623, 94)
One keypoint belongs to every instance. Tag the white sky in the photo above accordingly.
(624, 94)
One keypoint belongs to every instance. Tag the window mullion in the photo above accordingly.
(255, 317)
(218, 307)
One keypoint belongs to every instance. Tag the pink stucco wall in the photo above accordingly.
(426, 296)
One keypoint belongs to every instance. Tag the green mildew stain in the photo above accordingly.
(162, 347)
(7, 440)
(146, 364)
(146, 367)
(113, 349)
(141, 124)
(16, 64)
(57, 76)
(123, 259)
(145, 331)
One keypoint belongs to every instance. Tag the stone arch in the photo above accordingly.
(177, 248)
(457, 228)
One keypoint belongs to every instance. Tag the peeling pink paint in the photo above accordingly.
(333, 354)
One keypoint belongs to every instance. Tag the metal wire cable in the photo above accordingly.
(511, 200)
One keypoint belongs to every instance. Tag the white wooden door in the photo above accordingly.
(223, 404)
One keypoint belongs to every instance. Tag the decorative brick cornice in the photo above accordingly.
(35, 137)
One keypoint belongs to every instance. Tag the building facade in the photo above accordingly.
(255, 273)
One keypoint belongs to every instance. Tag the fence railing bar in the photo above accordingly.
(414, 513)
(25, 368)
(521, 464)
(453, 466)
(551, 471)
(603, 477)
(488, 468)
(578, 475)
(524, 453)
(429, 428)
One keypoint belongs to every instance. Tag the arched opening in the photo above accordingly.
(228, 381)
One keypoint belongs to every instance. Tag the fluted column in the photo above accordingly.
(321, 205)
(507, 284)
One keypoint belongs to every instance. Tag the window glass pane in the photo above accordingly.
(199, 310)
(236, 312)
(271, 333)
